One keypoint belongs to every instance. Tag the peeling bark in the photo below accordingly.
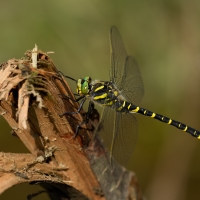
(67, 167)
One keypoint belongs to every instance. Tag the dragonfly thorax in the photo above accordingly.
(84, 85)
(104, 93)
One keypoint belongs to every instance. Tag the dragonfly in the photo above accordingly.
(119, 97)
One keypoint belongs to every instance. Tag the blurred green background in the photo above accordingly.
(163, 36)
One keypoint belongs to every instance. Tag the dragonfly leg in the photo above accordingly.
(80, 107)
(90, 107)
(87, 117)
(68, 97)
(68, 77)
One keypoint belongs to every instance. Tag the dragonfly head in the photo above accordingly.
(84, 85)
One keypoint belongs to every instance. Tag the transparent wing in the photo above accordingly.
(119, 132)
(106, 125)
(125, 137)
(124, 72)
(131, 86)
(118, 56)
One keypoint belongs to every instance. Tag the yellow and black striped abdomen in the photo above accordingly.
(105, 94)
(179, 125)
